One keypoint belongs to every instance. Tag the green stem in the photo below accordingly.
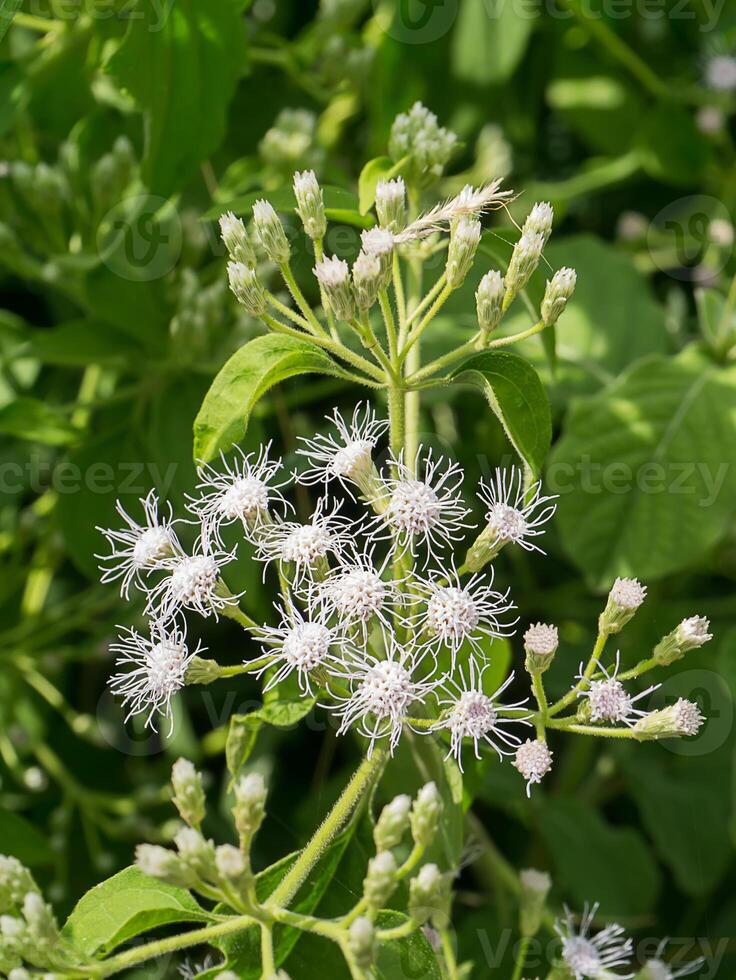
(425, 321)
(421, 307)
(399, 291)
(564, 725)
(362, 780)
(571, 695)
(448, 954)
(268, 961)
(388, 319)
(238, 616)
(541, 698)
(521, 955)
(641, 668)
(398, 932)
(300, 300)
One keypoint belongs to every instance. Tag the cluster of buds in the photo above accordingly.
(291, 141)
(417, 134)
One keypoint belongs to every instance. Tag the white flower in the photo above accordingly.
(307, 546)
(159, 669)
(357, 593)
(422, 510)
(241, 491)
(515, 515)
(541, 639)
(693, 632)
(192, 582)
(594, 957)
(345, 455)
(533, 760)
(628, 593)
(298, 643)
(471, 713)
(610, 701)
(720, 73)
(455, 612)
(139, 547)
(657, 969)
(382, 691)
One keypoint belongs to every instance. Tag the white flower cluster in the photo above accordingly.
(374, 617)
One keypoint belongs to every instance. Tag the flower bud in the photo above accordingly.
(379, 242)
(310, 204)
(16, 881)
(625, 597)
(691, 634)
(425, 814)
(524, 260)
(425, 893)
(250, 804)
(464, 240)
(559, 290)
(362, 942)
(235, 238)
(271, 232)
(188, 792)
(231, 863)
(533, 760)
(247, 288)
(489, 301)
(380, 881)
(333, 276)
(227, 975)
(367, 280)
(540, 644)
(535, 886)
(418, 135)
(391, 204)
(158, 862)
(14, 936)
(392, 823)
(196, 852)
(19, 973)
(539, 221)
(678, 719)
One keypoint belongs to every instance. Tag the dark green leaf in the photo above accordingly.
(27, 418)
(244, 729)
(7, 12)
(82, 342)
(380, 168)
(21, 840)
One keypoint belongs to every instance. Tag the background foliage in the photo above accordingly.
(121, 125)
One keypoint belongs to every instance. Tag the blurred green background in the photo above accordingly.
(125, 129)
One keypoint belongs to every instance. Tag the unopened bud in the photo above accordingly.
(227, 975)
(625, 597)
(362, 942)
(425, 893)
(333, 276)
(19, 973)
(367, 280)
(417, 134)
(236, 241)
(250, 804)
(158, 862)
(247, 288)
(559, 290)
(231, 863)
(678, 719)
(391, 204)
(539, 221)
(489, 301)
(540, 644)
(392, 823)
(425, 815)
(464, 241)
(188, 792)
(691, 634)
(535, 886)
(524, 260)
(16, 881)
(271, 232)
(379, 242)
(380, 880)
(196, 852)
(310, 204)
(533, 760)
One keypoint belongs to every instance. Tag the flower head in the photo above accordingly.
(159, 668)
(609, 700)
(306, 547)
(240, 491)
(299, 643)
(533, 760)
(720, 73)
(357, 593)
(657, 969)
(515, 515)
(422, 506)
(139, 548)
(473, 714)
(192, 582)
(593, 957)
(347, 454)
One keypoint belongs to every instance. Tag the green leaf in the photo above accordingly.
(517, 399)
(244, 729)
(643, 464)
(587, 852)
(380, 168)
(182, 69)
(408, 957)
(489, 40)
(82, 342)
(340, 204)
(125, 906)
(7, 12)
(21, 840)
(27, 418)
(672, 147)
(250, 372)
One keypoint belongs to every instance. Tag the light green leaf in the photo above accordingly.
(641, 468)
(243, 729)
(125, 906)
(182, 69)
(27, 418)
(250, 372)
(7, 12)
(517, 399)
(380, 168)
(489, 40)
(587, 852)
(21, 840)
